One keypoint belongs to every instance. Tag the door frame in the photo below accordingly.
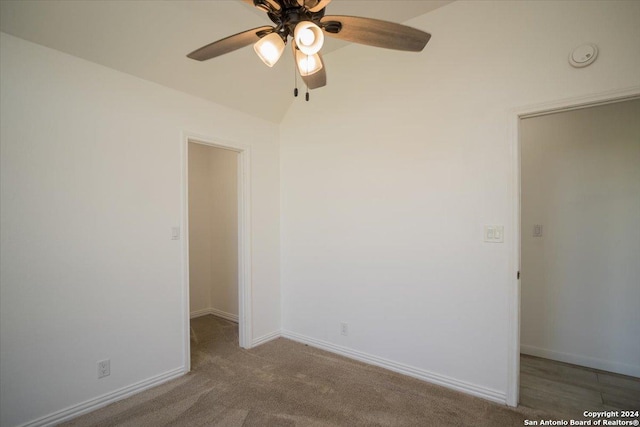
(244, 237)
(513, 117)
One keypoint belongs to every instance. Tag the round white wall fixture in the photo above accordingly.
(583, 55)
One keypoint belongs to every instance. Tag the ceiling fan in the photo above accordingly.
(306, 23)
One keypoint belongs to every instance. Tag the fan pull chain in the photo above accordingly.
(306, 96)
(295, 80)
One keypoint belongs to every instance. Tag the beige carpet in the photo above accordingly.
(284, 383)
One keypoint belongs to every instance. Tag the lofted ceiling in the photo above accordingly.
(150, 40)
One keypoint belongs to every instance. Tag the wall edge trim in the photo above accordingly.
(576, 359)
(266, 338)
(199, 313)
(215, 312)
(106, 399)
(421, 374)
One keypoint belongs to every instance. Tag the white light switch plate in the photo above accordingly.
(494, 233)
(537, 230)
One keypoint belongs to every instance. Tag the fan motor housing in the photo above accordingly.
(290, 14)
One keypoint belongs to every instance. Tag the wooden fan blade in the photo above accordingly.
(314, 5)
(374, 32)
(319, 5)
(265, 5)
(317, 79)
(229, 44)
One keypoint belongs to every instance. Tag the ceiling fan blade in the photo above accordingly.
(314, 5)
(374, 32)
(319, 5)
(265, 5)
(317, 79)
(229, 44)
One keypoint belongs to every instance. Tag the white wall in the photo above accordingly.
(581, 278)
(390, 172)
(213, 231)
(91, 173)
(224, 254)
(200, 223)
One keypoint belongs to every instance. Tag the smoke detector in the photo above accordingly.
(583, 55)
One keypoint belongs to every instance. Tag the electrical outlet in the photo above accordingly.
(104, 368)
(175, 233)
(344, 329)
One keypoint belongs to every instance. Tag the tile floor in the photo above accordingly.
(569, 390)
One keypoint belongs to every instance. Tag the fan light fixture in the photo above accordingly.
(309, 37)
(269, 48)
(308, 64)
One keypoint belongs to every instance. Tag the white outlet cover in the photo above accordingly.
(344, 329)
(175, 233)
(583, 55)
(104, 368)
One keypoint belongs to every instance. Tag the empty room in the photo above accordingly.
(319, 213)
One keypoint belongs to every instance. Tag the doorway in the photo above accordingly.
(579, 241)
(216, 218)
(213, 232)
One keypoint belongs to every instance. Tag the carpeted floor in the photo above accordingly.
(284, 383)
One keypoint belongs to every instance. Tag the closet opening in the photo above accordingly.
(216, 249)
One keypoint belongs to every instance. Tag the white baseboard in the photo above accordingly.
(215, 312)
(421, 374)
(225, 315)
(104, 400)
(575, 359)
(265, 338)
(200, 313)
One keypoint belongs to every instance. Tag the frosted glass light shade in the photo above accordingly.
(269, 48)
(309, 37)
(308, 64)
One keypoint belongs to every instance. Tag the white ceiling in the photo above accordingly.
(149, 39)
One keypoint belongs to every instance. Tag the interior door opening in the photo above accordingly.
(217, 261)
(580, 246)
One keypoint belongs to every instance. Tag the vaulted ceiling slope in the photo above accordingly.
(149, 39)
